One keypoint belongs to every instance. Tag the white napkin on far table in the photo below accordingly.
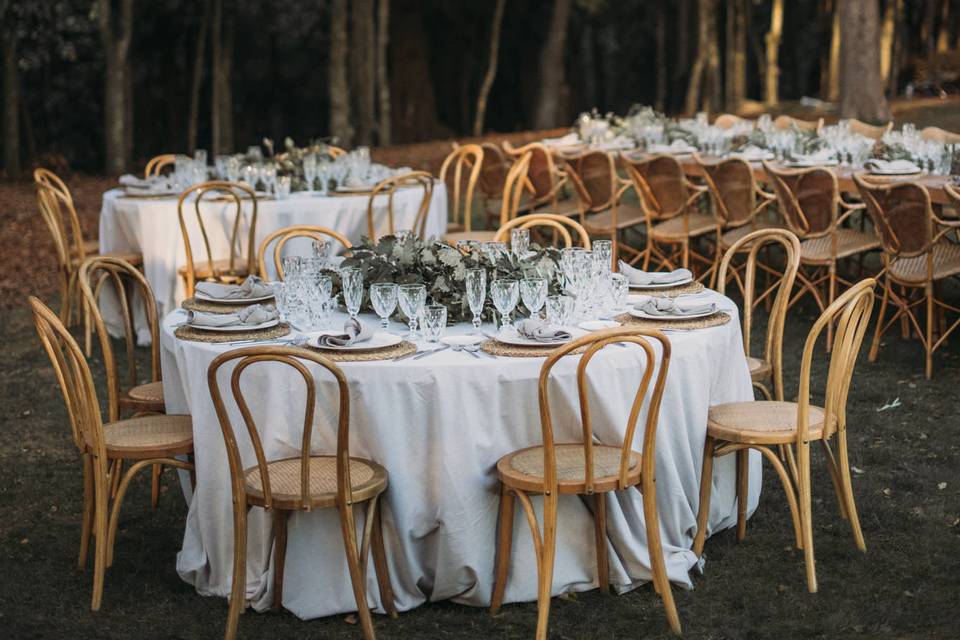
(677, 146)
(641, 278)
(824, 156)
(354, 331)
(656, 306)
(891, 166)
(253, 315)
(252, 287)
(538, 330)
(563, 141)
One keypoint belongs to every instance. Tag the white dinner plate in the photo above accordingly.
(674, 151)
(754, 157)
(237, 327)
(803, 164)
(598, 325)
(888, 172)
(379, 340)
(512, 337)
(461, 341)
(665, 285)
(636, 313)
(202, 296)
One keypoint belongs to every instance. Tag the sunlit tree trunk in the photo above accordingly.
(383, 76)
(491, 72)
(736, 62)
(833, 76)
(547, 112)
(861, 86)
(886, 38)
(943, 33)
(771, 84)
(337, 86)
(116, 33)
(11, 106)
(363, 68)
(196, 80)
(703, 87)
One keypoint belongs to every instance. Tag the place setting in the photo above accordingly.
(232, 313)
(665, 284)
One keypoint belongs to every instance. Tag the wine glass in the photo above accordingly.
(233, 169)
(476, 294)
(520, 242)
(383, 297)
(505, 294)
(200, 155)
(351, 281)
(268, 175)
(533, 291)
(281, 187)
(434, 319)
(309, 170)
(321, 251)
(320, 300)
(411, 298)
(603, 254)
(559, 308)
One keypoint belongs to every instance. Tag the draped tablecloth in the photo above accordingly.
(150, 226)
(438, 425)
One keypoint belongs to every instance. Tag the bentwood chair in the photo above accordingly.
(229, 196)
(557, 224)
(462, 168)
(811, 205)
(738, 427)
(789, 122)
(669, 202)
(546, 181)
(281, 237)
(586, 468)
(600, 190)
(157, 164)
(510, 202)
(936, 134)
(335, 152)
(301, 483)
(143, 441)
(767, 369)
(869, 130)
(918, 256)
(729, 120)
(493, 177)
(388, 188)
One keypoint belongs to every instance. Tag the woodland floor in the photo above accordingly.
(907, 487)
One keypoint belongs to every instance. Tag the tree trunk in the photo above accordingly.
(834, 85)
(927, 39)
(116, 33)
(703, 88)
(771, 84)
(196, 80)
(547, 112)
(226, 87)
(383, 76)
(861, 86)
(491, 73)
(11, 107)
(337, 85)
(736, 72)
(886, 39)
(660, 101)
(216, 53)
(363, 68)
(943, 33)
(221, 65)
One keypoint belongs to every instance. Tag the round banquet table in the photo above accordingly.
(151, 226)
(439, 424)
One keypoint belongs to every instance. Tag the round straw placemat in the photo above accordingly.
(185, 332)
(368, 355)
(193, 304)
(495, 348)
(671, 292)
(715, 320)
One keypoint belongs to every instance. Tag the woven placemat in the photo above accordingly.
(199, 335)
(192, 304)
(388, 353)
(671, 292)
(717, 319)
(513, 351)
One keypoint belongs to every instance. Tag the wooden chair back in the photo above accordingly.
(493, 171)
(733, 188)
(298, 360)
(902, 215)
(466, 161)
(595, 179)
(661, 184)
(552, 221)
(335, 152)
(753, 243)
(389, 187)
(544, 179)
(60, 215)
(130, 287)
(728, 120)
(513, 188)
(936, 134)
(875, 131)
(157, 164)
(233, 194)
(789, 122)
(652, 373)
(281, 237)
(809, 198)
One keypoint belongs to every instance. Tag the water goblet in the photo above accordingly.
(309, 170)
(476, 283)
(533, 292)
(411, 298)
(505, 295)
(619, 291)
(351, 281)
(520, 242)
(559, 308)
(434, 319)
(282, 187)
(233, 169)
(268, 175)
(383, 297)
(320, 307)
(292, 266)
(603, 254)
(200, 156)
(249, 175)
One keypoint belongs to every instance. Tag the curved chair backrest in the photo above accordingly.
(789, 122)
(652, 373)
(901, 213)
(335, 152)
(466, 161)
(388, 188)
(661, 184)
(281, 237)
(936, 134)
(543, 176)
(513, 188)
(875, 131)
(493, 171)
(753, 243)
(851, 311)
(733, 189)
(233, 193)
(157, 164)
(808, 198)
(728, 120)
(59, 213)
(130, 287)
(594, 176)
(49, 178)
(555, 222)
(296, 359)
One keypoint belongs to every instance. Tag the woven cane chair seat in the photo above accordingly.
(849, 242)
(729, 238)
(946, 263)
(672, 229)
(145, 398)
(627, 216)
(760, 369)
(524, 468)
(367, 479)
(147, 437)
(765, 422)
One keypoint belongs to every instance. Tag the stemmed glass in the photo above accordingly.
(533, 291)
(559, 308)
(309, 170)
(322, 300)
(268, 175)
(505, 294)
(411, 298)
(434, 322)
(383, 297)
(233, 169)
(476, 294)
(321, 251)
(603, 255)
(520, 242)
(323, 175)
(351, 280)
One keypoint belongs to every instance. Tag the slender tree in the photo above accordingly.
(771, 84)
(861, 86)
(338, 87)
(383, 75)
(363, 68)
(196, 79)
(736, 59)
(491, 73)
(703, 88)
(548, 110)
(116, 33)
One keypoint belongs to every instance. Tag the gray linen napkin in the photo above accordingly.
(252, 287)
(891, 166)
(541, 332)
(250, 316)
(354, 331)
(641, 278)
(656, 306)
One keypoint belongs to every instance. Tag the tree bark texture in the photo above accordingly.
(547, 112)
(11, 107)
(736, 61)
(491, 73)
(363, 67)
(196, 80)
(703, 88)
(383, 75)
(861, 86)
(337, 85)
(771, 84)
(116, 33)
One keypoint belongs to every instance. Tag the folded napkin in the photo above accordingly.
(677, 146)
(252, 287)
(248, 316)
(130, 180)
(641, 278)
(620, 142)
(354, 331)
(541, 332)
(563, 141)
(891, 166)
(753, 152)
(354, 182)
(824, 156)
(656, 306)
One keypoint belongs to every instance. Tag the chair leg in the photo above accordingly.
(504, 545)
(878, 330)
(835, 478)
(86, 529)
(349, 530)
(155, 485)
(706, 484)
(101, 499)
(600, 535)
(545, 575)
(238, 588)
(743, 484)
(64, 299)
(844, 463)
(831, 296)
(928, 346)
(380, 563)
(806, 516)
(280, 519)
(657, 564)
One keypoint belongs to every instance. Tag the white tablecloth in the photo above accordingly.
(439, 425)
(151, 227)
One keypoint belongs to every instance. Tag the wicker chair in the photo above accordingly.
(301, 483)
(466, 162)
(586, 468)
(142, 441)
(281, 237)
(556, 223)
(875, 131)
(157, 164)
(668, 200)
(510, 202)
(936, 134)
(788, 122)
(740, 426)
(811, 205)
(335, 152)
(389, 187)
(493, 176)
(917, 256)
(546, 181)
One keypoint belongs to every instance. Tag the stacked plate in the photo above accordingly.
(380, 340)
